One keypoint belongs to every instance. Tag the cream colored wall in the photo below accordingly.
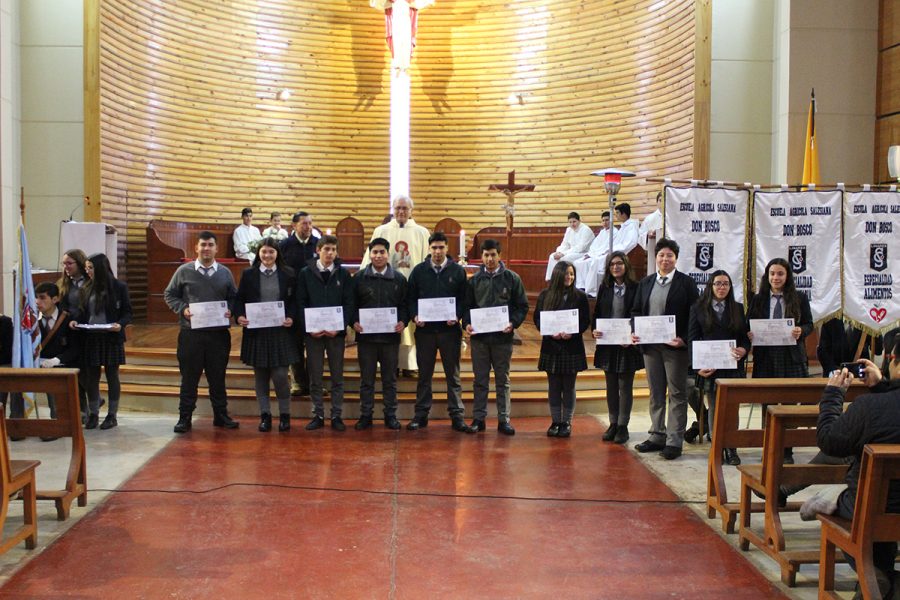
(741, 114)
(52, 121)
(9, 146)
(829, 45)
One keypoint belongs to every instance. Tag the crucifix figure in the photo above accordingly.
(510, 189)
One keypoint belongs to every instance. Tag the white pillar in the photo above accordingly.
(399, 132)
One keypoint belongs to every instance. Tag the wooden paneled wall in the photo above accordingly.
(887, 109)
(190, 128)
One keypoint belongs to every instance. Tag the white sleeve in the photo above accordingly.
(566, 242)
(627, 237)
(584, 237)
(240, 239)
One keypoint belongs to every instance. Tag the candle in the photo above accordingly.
(462, 242)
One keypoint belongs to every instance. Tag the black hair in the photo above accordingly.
(625, 209)
(608, 279)
(299, 215)
(246, 211)
(101, 284)
(791, 296)
(271, 242)
(574, 215)
(47, 287)
(707, 298)
(437, 236)
(326, 240)
(379, 241)
(672, 245)
(207, 235)
(557, 289)
(490, 244)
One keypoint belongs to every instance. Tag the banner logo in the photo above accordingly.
(878, 257)
(797, 258)
(878, 314)
(703, 257)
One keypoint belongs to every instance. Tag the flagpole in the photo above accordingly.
(22, 204)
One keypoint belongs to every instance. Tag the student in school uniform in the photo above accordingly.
(71, 281)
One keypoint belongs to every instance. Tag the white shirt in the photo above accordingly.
(322, 267)
(199, 265)
(626, 238)
(281, 233)
(652, 222)
(576, 240)
(600, 246)
(263, 268)
(51, 319)
(242, 236)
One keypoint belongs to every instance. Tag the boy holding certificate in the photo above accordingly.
(324, 284)
(438, 285)
(495, 305)
(379, 294)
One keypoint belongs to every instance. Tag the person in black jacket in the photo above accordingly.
(6, 343)
(562, 353)
(269, 350)
(839, 344)
(438, 277)
(718, 316)
(324, 283)
(870, 419)
(379, 286)
(297, 250)
(494, 286)
(666, 292)
(619, 363)
(104, 302)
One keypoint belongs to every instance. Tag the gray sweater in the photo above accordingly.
(190, 285)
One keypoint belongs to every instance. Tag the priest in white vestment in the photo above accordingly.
(575, 243)
(650, 231)
(409, 247)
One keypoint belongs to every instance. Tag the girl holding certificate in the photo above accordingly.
(562, 354)
(104, 301)
(619, 362)
(717, 316)
(269, 350)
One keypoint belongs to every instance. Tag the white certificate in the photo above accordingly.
(559, 321)
(265, 314)
(326, 318)
(437, 309)
(486, 320)
(378, 320)
(655, 330)
(96, 326)
(772, 332)
(208, 314)
(615, 332)
(713, 354)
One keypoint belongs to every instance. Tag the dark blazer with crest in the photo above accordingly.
(682, 296)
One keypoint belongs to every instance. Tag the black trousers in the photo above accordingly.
(198, 351)
(298, 369)
(369, 356)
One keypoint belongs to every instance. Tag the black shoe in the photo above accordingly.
(670, 452)
(565, 429)
(265, 422)
(417, 423)
(462, 427)
(17, 438)
(284, 422)
(621, 434)
(184, 423)
(392, 423)
(316, 422)
(553, 430)
(109, 422)
(788, 456)
(363, 423)
(47, 439)
(337, 424)
(92, 422)
(692, 433)
(648, 446)
(731, 457)
(506, 429)
(477, 425)
(610, 434)
(410, 373)
(221, 419)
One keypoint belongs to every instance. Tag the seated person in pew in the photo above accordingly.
(590, 266)
(629, 233)
(244, 234)
(575, 243)
(275, 229)
(871, 419)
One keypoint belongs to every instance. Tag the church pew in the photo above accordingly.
(732, 393)
(17, 476)
(63, 384)
(871, 523)
(786, 427)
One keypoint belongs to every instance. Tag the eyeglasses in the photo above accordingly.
(721, 284)
(617, 263)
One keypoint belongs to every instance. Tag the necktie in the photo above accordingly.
(620, 291)
(720, 309)
(269, 271)
(438, 269)
(207, 271)
(45, 324)
(663, 280)
(778, 313)
(325, 275)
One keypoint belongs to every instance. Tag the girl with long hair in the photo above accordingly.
(269, 350)
(104, 301)
(619, 363)
(562, 354)
(718, 316)
(71, 281)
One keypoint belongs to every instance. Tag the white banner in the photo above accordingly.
(710, 226)
(871, 250)
(805, 229)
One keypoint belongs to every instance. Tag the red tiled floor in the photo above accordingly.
(379, 514)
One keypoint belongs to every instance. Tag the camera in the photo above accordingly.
(856, 369)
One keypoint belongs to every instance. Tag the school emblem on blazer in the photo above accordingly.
(878, 257)
(797, 258)
(703, 257)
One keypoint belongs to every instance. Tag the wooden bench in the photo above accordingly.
(786, 427)
(63, 385)
(871, 523)
(17, 476)
(732, 393)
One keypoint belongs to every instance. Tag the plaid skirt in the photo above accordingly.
(776, 361)
(100, 348)
(618, 359)
(269, 347)
(561, 363)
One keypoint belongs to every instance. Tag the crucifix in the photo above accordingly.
(510, 189)
(400, 22)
